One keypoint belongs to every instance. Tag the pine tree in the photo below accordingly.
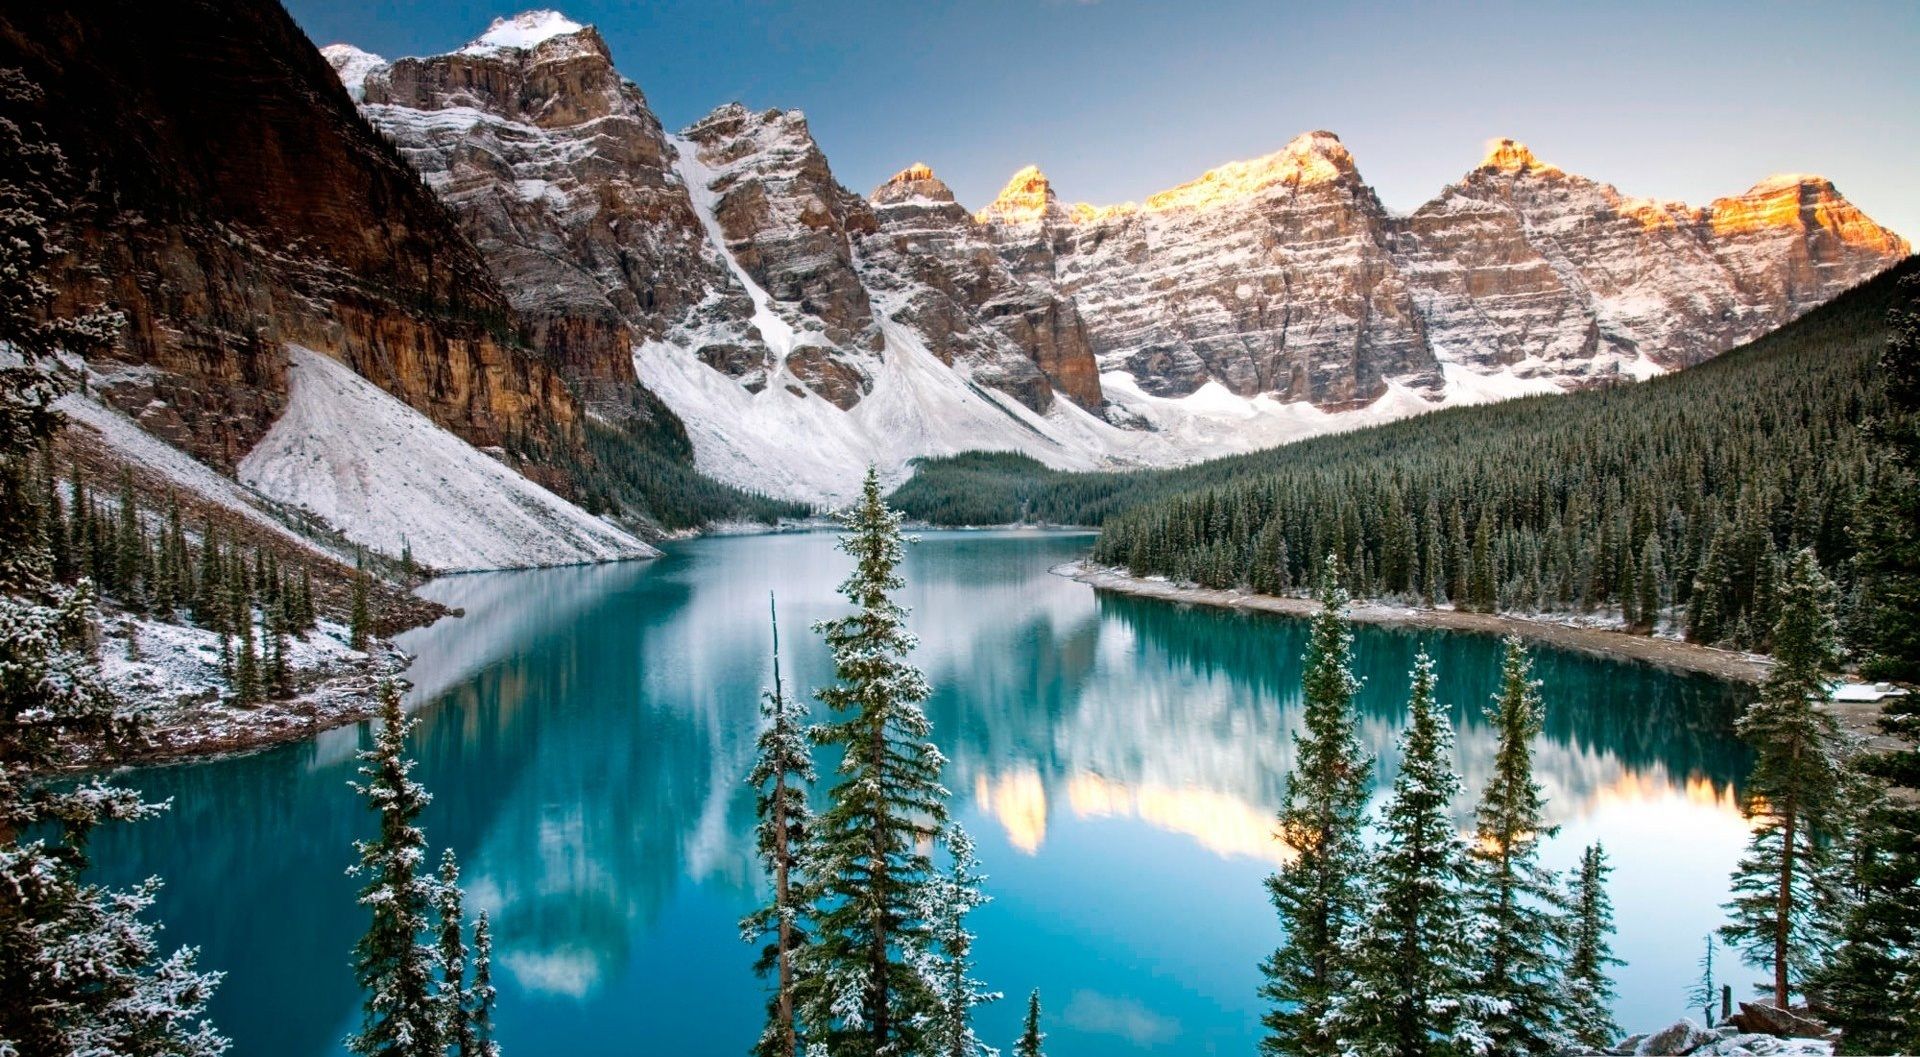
(1030, 1034)
(80, 968)
(869, 869)
(1705, 993)
(1410, 993)
(1653, 573)
(948, 965)
(401, 1015)
(279, 678)
(1589, 988)
(1317, 892)
(360, 624)
(482, 990)
(1870, 987)
(780, 776)
(246, 661)
(455, 997)
(209, 581)
(1793, 790)
(1515, 899)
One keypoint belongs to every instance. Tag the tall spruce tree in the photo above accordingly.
(870, 871)
(482, 991)
(401, 1015)
(80, 968)
(1588, 984)
(948, 964)
(456, 999)
(1317, 891)
(360, 620)
(1870, 987)
(1794, 788)
(1410, 989)
(781, 774)
(1031, 1037)
(1515, 900)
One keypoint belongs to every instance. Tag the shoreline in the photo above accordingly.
(1672, 654)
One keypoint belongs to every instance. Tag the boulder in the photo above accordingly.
(1683, 1036)
(1760, 1018)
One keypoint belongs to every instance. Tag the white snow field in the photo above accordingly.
(134, 445)
(385, 476)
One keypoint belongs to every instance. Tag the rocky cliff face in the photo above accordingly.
(597, 224)
(956, 291)
(236, 203)
(1284, 276)
(561, 175)
(1272, 275)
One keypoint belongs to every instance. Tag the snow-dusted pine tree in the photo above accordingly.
(456, 998)
(1030, 1034)
(80, 971)
(1409, 992)
(947, 964)
(1705, 992)
(866, 998)
(401, 1015)
(1515, 901)
(1588, 989)
(1317, 891)
(780, 776)
(482, 990)
(1794, 789)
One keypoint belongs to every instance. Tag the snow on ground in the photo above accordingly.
(136, 446)
(385, 476)
(171, 677)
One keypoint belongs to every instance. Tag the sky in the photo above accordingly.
(1117, 99)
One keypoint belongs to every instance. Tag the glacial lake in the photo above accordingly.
(585, 733)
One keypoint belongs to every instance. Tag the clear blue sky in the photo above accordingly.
(1116, 99)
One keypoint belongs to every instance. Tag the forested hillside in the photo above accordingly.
(1670, 497)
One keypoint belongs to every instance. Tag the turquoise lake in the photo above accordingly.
(585, 733)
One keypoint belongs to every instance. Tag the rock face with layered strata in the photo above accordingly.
(956, 291)
(1284, 275)
(560, 173)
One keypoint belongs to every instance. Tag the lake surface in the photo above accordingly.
(586, 731)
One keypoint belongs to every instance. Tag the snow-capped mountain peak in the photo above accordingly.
(352, 65)
(525, 30)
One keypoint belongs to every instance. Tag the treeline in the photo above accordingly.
(148, 563)
(1674, 501)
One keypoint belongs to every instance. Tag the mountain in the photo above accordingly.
(1285, 275)
(800, 331)
(232, 204)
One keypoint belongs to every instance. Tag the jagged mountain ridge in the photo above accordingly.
(1265, 301)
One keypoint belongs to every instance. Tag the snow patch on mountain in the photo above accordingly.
(387, 477)
(136, 447)
(352, 66)
(525, 30)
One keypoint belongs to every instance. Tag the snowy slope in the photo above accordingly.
(137, 447)
(387, 477)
